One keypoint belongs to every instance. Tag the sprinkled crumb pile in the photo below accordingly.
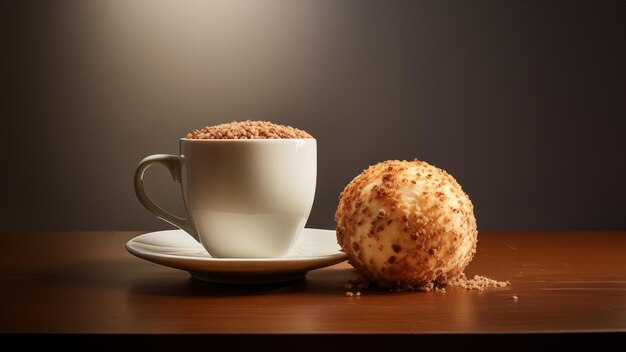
(477, 283)
(432, 287)
(356, 285)
(248, 130)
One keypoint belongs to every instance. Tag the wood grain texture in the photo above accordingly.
(87, 282)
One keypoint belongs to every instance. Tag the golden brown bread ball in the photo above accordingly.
(406, 224)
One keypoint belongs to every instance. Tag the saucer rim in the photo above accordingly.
(141, 253)
(240, 271)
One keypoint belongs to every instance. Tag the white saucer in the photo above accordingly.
(177, 249)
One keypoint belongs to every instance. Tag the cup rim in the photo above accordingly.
(259, 140)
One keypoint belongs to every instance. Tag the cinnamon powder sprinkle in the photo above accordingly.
(248, 130)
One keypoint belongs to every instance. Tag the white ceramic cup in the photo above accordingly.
(245, 198)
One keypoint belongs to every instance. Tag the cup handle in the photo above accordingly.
(172, 163)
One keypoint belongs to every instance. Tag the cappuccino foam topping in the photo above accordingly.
(248, 130)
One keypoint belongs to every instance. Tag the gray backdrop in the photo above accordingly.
(523, 102)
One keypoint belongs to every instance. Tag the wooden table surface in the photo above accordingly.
(86, 282)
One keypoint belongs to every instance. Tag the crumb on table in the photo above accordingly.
(248, 130)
